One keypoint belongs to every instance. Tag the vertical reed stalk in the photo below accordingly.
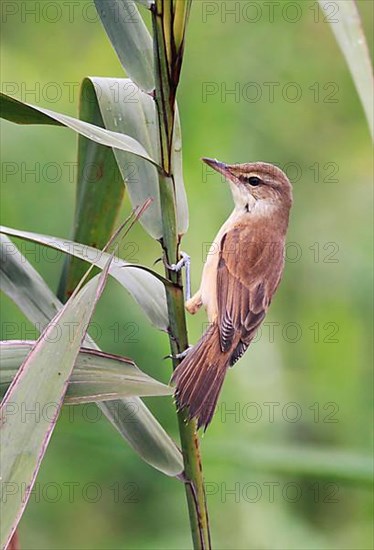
(169, 18)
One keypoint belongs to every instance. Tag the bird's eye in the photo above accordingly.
(254, 180)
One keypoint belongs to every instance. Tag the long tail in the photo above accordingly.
(200, 376)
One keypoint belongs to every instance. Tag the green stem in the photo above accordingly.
(167, 77)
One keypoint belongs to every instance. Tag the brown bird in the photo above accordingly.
(241, 274)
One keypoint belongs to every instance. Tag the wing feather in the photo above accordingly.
(248, 273)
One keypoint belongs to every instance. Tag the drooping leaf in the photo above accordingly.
(126, 109)
(146, 3)
(23, 284)
(40, 382)
(177, 164)
(146, 289)
(99, 194)
(97, 376)
(20, 281)
(145, 436)
(130, 39)
(24, 113)
(347, 28)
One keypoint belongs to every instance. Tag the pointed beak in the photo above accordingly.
(220, 167)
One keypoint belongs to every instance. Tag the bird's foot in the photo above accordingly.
(179, 356)
(185, 261)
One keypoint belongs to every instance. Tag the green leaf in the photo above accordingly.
(126, 109)
(22, 113)
(130, 39)
(145, 435)
(146, 3)
(181, 15)
(145, 288)
(41, 382)
(177, 164)
(20, 281)
(97, 376)
(347, 28)
(99, 193)
(23, 284)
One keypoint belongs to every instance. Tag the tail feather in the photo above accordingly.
(200, 376)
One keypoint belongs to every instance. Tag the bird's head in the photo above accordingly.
(258, 186)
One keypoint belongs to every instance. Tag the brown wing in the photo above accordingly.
(249, 271)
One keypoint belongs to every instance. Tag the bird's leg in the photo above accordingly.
(185, 261)
(193, 304)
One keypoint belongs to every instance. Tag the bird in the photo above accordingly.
(242, 272)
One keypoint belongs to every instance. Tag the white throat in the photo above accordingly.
(245, 202)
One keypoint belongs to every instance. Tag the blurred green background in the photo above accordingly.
(307, 381)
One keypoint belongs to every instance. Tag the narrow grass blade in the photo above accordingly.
(130, 39)
(145, 288)
(23, 284)
(126, 109)
(146, 3)
(137, 152)
(144, 433)
(97, 376)
(181, 15)
(21, 113)
(180, 190)
(347, 28)
(41, 381)
(99, 194)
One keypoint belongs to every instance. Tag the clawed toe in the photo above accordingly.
(179, 356)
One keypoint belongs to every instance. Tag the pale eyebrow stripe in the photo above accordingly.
(251, 175)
